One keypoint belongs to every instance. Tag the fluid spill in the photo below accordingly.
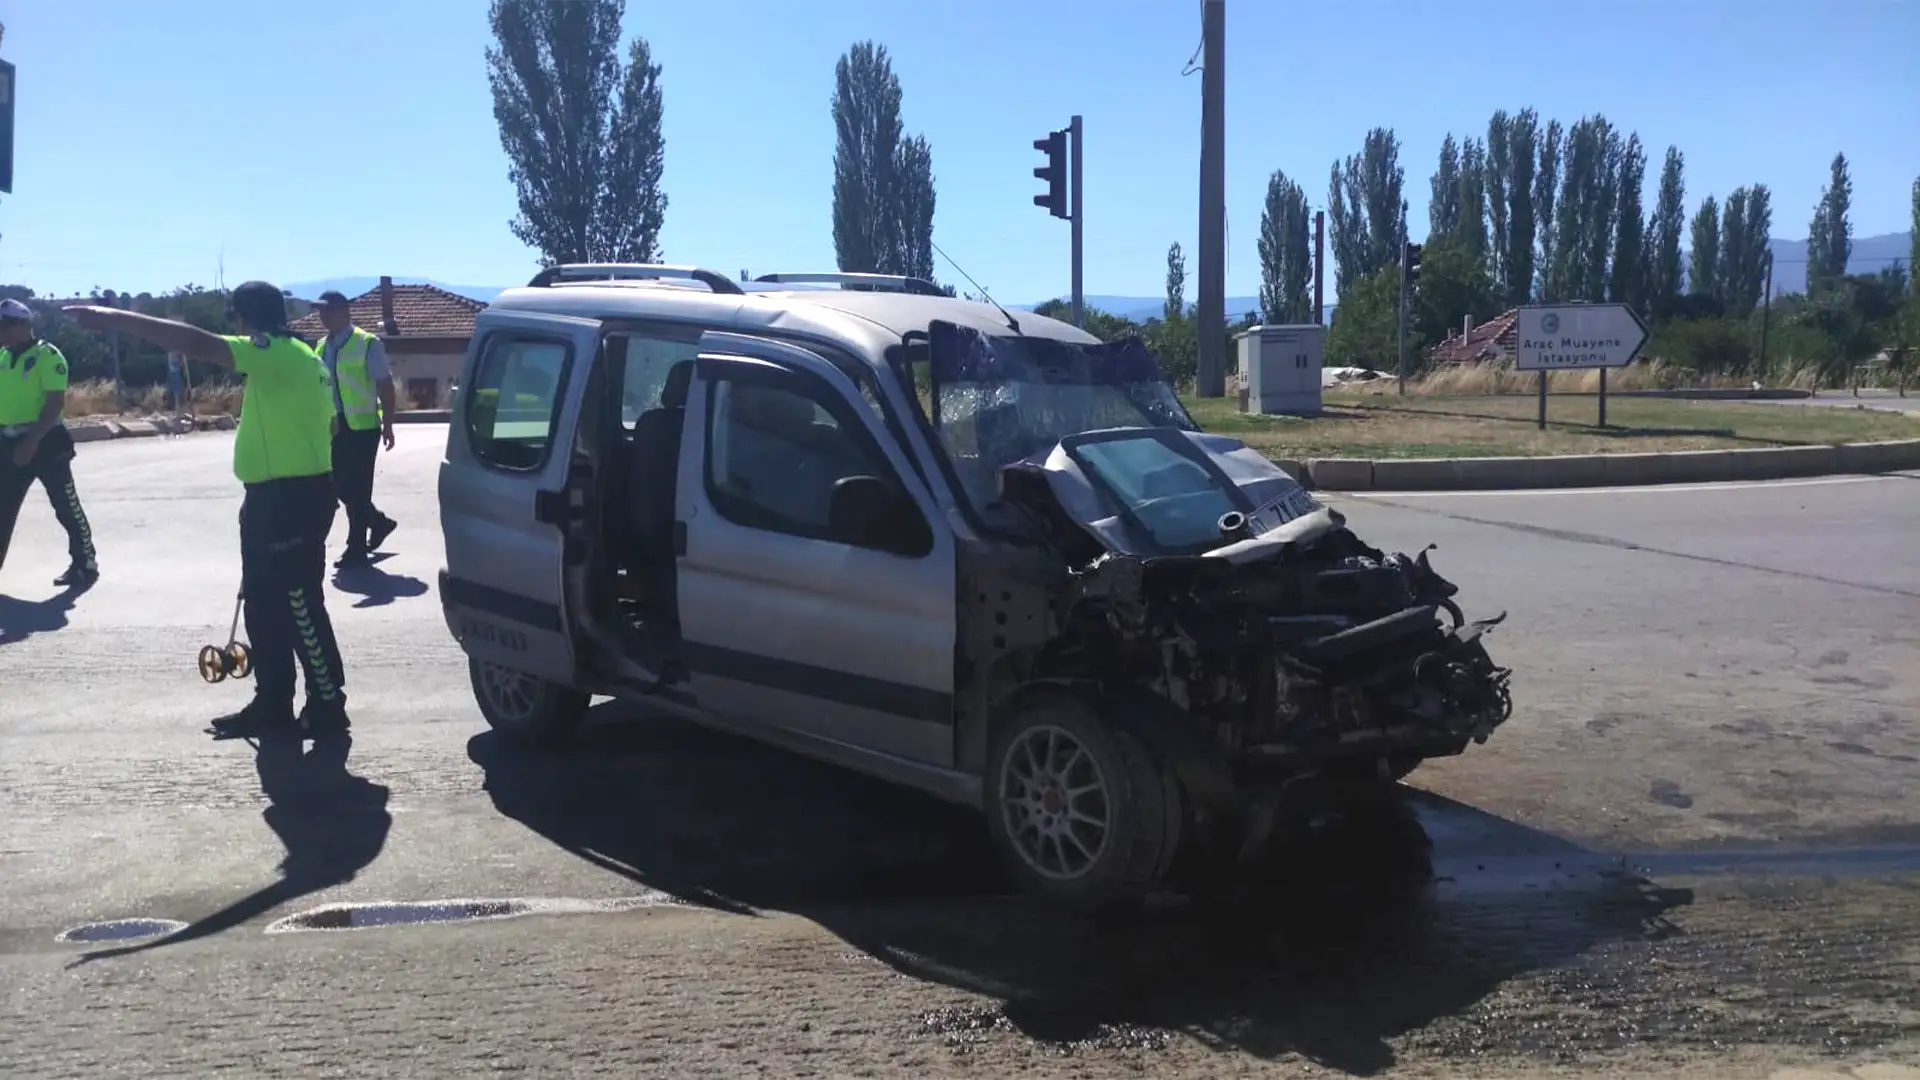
(119, 930)
(363, 916)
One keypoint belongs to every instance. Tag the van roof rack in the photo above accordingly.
(565, 272)
(860, 282)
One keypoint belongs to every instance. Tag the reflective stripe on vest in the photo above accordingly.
(358, 398)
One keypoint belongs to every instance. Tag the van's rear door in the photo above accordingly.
(510, 489)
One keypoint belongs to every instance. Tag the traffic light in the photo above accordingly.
(1054, 172)
(1411, 261)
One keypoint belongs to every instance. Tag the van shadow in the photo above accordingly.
(332, 823)
(21, 619)
(1361, 942)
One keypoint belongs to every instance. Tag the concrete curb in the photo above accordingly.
(1604, 470)
(424, 416)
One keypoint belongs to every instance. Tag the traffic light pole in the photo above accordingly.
(1076, 133)
(1404, 253)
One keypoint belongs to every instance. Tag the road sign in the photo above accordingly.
(1571, 337)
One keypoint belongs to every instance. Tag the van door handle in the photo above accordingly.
(549, 506)
(679, 538)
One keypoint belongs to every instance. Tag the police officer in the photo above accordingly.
(363, 407)
(282, 454)
(35, 444)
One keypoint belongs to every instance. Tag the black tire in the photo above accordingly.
(1140, 799)
(526, 709)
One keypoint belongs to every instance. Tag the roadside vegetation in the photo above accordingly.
(1433, 425)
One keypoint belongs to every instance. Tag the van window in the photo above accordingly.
(775, 452)
(644, 372)
(513, 405)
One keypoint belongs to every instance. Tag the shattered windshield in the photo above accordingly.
(996, 400)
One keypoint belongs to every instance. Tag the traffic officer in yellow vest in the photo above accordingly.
(35, 443)
(282, 454)
(362, 422)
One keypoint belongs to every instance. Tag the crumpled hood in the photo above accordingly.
(1265, 485)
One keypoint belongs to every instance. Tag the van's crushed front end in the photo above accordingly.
(1197, 569)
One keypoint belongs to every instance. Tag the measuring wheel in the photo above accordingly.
(219, 662)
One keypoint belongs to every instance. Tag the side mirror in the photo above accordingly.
(868, 512)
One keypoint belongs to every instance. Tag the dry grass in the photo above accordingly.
(96, 397)
(1499, 425)
(1458, 380)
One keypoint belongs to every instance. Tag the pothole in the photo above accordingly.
(363, 916)
(119, 930)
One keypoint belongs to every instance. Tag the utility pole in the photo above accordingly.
(1212, 314)
(1319, 267)
(1766, 312)
(1403, 300)
(1076, 132)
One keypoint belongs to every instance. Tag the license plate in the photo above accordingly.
(1296, 503)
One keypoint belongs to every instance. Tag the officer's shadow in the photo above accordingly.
(21, 619)
(375, 586)
(332, 823)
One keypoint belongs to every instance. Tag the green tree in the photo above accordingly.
(1745, 222)
(1443, 205)
(883, 192)
(1473, 198)
(1286, 265)
(1663, 233)
(1546, 182)
(1703, 277)
(1366, 324)
(1514, 159)
(1176, 303)
(1830, 233)
(1584, 223)
(1733, 252)
(1454, 284)
(1364, 200)
(1627, 283)
(1913, 241)
(581, 131)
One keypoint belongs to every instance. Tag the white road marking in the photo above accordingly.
(1640, 489)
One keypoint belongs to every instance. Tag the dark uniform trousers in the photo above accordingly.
(283, 551)
(53, 467)
(354, 454)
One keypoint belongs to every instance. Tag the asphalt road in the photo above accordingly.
(1693, 851)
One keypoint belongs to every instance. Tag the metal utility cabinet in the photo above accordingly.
(1280, 368)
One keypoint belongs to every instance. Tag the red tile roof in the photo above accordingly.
(1495, 337)
(418, 311)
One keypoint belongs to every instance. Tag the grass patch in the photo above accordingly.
(1368, 425)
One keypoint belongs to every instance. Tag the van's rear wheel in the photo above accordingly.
(1080, 813)
(526, 708)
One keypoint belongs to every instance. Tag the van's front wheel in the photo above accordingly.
(1081, 813)
(526, 708)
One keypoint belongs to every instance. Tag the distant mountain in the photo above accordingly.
(1871, 254)
(354, 286)
(1142, 308)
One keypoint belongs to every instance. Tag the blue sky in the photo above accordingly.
(356, 136)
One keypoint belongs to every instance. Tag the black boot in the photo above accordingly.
(78, 575)
(254, 719)
(378, 533)
(321, 717)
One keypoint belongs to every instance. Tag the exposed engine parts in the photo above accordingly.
(1322, 652)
